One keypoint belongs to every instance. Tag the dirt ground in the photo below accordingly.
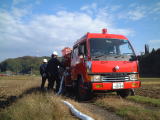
(16, 86)
(150, 88)
(105, 114)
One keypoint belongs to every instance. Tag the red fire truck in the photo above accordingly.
(101, 62)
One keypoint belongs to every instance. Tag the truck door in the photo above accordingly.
(82, 55)
(74, 58)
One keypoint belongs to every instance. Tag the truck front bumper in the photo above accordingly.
(109, 85)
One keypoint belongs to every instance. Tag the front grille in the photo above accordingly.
(114, 78)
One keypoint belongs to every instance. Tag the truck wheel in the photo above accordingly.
(82, 93)
(123, 93)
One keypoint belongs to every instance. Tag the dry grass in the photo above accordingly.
(40, 106)
(127, 109)
(150, 88)
(37, 106)
(136, 107)
(150, 81)
(30, 103)
(16, 85)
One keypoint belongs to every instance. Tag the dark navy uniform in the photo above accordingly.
(43, 74)
(53, 73)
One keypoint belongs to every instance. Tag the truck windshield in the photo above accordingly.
(110, 49)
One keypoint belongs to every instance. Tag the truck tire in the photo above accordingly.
(124, 93)
(82, 93)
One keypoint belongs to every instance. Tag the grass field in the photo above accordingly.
(144, 106)
(21, 99)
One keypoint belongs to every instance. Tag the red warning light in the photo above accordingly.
(104, 31)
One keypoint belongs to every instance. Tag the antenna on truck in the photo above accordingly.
(104, 30)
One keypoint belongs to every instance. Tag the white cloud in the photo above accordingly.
(155, 41)
(134, 14)
(138, 12)
(37, 2)
(45, 33)
(115, 7)
(16, 2)
(18, 13)
(90, 9)
(154, 44)
(156, 8)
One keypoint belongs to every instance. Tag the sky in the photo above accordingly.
(39, 27)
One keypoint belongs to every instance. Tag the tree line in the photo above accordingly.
(149, 64)
(22, 65)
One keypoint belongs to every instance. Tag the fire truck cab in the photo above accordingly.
(102, 62)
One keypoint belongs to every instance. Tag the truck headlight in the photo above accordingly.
(95, 78)
(133, 76)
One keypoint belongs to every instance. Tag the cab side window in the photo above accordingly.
(75, 52)
(82, 49)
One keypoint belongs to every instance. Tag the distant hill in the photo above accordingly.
(22, 65)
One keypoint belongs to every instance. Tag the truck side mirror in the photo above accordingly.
(133, 58)
(138, 58)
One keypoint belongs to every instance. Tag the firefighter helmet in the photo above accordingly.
(45, 60)
(55, 53)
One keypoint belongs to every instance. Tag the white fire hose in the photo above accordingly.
(61, 84)
(71, 107)
(76, 112)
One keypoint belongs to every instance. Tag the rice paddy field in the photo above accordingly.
(22, 99)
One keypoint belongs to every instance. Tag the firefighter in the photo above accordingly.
(53, 72)
(43, 73)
